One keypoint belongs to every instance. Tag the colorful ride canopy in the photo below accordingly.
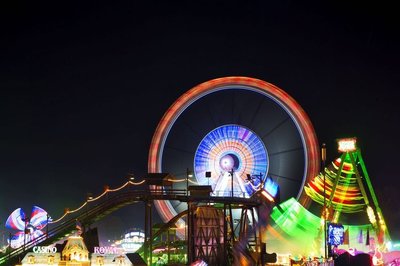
(27, 228)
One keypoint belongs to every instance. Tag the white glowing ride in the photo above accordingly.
(132, 240)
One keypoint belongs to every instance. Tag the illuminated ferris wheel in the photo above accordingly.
(225, 131)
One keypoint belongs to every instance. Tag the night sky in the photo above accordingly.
(84, 85)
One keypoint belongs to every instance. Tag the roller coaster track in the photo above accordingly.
(110, 201)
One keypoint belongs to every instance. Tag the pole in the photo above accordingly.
(225, 237)
(168, 248)
(189, 234)
(47, 225)
(323, 157)
(25, 228)
(188, 222)
(9, 248)
(146, 232)
(151, 231)
(187, 181)
(232, 182)
(187, 237)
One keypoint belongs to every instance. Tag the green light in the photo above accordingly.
(295, 220)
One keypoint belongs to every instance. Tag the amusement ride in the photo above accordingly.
(234, 168)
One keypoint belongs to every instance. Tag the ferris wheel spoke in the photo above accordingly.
(280, 124)
(256, 112)
(211, 114)
(178, 149)
(284, 177)
(285, 151)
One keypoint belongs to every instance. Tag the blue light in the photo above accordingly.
(231, 148)
(271, 187)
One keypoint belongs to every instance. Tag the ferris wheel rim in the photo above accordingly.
(292, 108)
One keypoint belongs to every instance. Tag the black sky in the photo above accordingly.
(84, 85)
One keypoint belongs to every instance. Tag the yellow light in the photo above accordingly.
(322, 221)
(267, 195)
(371, 215)
(346, 145)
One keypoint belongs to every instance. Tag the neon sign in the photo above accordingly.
(44, 249)
(105, 250)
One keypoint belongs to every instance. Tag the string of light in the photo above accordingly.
(106, 190)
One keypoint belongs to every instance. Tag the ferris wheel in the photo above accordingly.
(225, 130)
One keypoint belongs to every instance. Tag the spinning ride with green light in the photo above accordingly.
(343, 193)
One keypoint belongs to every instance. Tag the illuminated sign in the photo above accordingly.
(335, 234)
(346, 145)
(105, 250)
(43, 249)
